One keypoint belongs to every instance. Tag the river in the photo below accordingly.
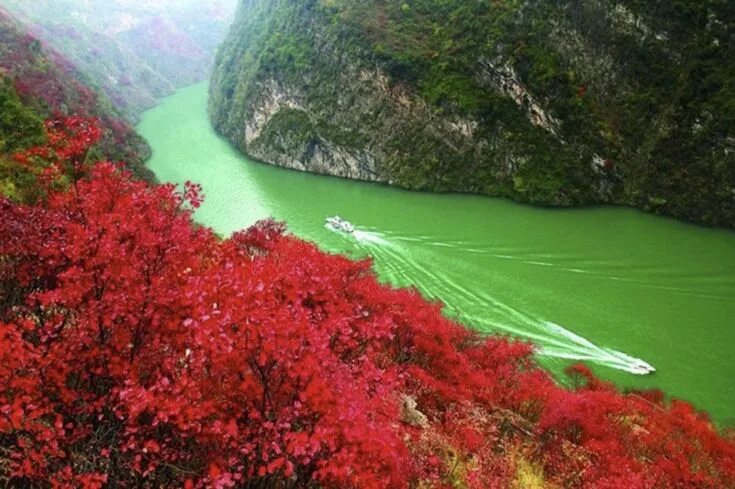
(609, 286)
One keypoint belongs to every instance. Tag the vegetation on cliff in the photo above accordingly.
(558, 103)
(37, 83)
(140, 350)
(20, 126)
(133, 52)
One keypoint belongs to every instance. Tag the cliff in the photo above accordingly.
(551, 103)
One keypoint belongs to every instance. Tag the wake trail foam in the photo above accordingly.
(556, 341)
(370, 237)
(473, 306)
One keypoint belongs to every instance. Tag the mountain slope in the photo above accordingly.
(553, 103)
(37, 83)
(134, 52)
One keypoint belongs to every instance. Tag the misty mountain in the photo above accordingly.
(134, 51)
(38, 83)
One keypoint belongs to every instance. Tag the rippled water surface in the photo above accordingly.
(610, 286)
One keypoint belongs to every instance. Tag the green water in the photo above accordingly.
(606, 285)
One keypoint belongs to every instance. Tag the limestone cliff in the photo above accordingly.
(552, 103)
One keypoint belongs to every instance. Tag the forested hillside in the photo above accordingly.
(138, 349)
(134, 52)
(38, 83)
(552, 103)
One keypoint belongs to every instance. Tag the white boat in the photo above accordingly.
(639, 367)
(338, 224)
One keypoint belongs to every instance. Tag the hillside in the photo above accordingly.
(138, 349)
(551, 103)
(134, 52)
(38, 83)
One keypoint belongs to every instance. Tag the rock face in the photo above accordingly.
(411, 415)
(551, 103)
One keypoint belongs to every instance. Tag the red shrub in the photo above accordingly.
(141, 350)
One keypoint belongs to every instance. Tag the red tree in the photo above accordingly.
(140, 350)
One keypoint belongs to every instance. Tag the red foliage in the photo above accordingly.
(68, 142)
(47, 81)
(62, 158)
(140, 350)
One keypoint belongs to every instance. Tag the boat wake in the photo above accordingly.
(584, 350)
(480, 310)
(370, 237)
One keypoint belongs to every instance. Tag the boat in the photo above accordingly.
(338, 224)
(639, 367)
